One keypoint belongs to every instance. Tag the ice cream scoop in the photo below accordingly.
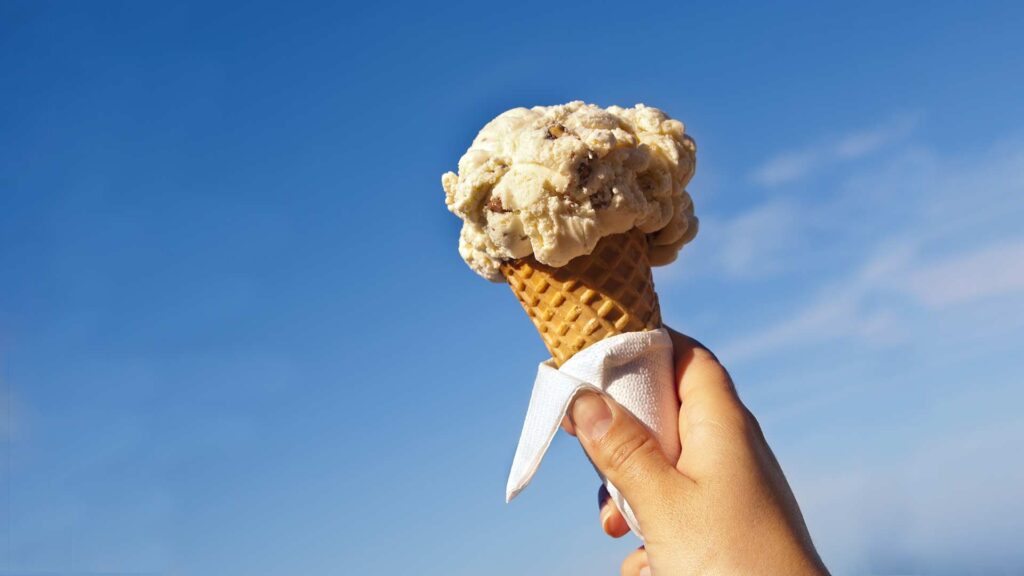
(552, 181)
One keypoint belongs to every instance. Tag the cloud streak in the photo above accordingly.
(838, 311)
(751, 244)
(793, 165)
(849, 308)
(992, 271)
(906, 264)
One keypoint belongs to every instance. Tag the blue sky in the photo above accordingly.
(236, 336)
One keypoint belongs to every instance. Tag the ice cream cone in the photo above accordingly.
(608, 292)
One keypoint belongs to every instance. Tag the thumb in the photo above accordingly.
(628, 455)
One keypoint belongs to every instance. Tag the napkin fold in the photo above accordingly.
(634, 368)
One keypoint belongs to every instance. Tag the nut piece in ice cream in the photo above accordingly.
(551, 181)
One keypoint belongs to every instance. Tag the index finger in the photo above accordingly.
(706, 390)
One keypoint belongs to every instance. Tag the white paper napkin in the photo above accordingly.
(633, 368)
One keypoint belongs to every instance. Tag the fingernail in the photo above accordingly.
(645, 571)
(602, 498)
(591, 415)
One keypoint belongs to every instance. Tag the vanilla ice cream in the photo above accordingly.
(553, 180)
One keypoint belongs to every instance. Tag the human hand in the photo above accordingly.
(724, 508)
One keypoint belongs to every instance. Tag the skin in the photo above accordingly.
(724, 507)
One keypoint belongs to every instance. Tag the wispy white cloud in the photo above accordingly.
(787, 167)
(993, 270)
(851, 308)
(793, 165)
(944, 234)
(752, 243)
(864, 142)
(839, 310)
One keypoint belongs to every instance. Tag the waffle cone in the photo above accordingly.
(593, 297)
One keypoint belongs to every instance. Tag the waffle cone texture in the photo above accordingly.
(603, 294)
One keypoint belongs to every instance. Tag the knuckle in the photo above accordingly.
(728, 417)
(751, 427)
(627, 452)
(704, 356)
(706, 360)
(737, 418)
(742, 427)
